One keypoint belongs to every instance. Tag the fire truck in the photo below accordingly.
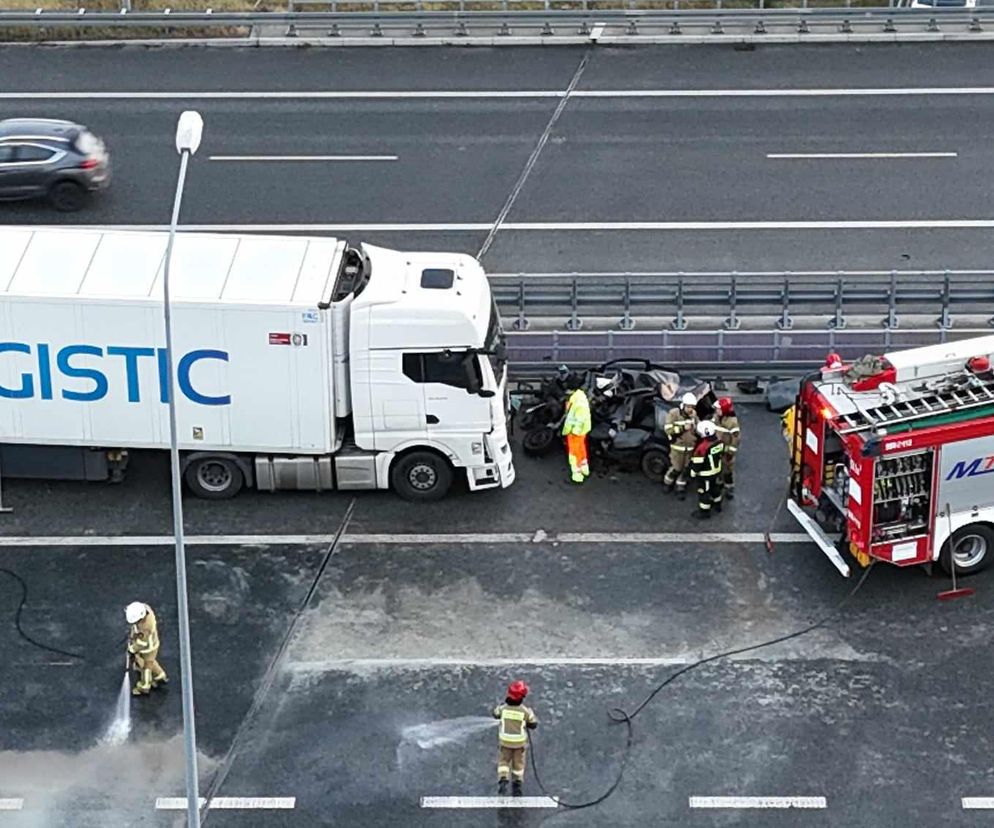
(893, 457)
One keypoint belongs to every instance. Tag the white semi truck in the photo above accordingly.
(301, 363)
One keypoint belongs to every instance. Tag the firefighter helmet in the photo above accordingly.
(724, 406)
(688, 399)
(135, 612)
(833, 362)
(517, 690)
(705, 428)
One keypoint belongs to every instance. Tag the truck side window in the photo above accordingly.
(414, 367)
(441, 368)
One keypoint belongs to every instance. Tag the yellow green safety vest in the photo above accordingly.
(577, 413)
(511, 731)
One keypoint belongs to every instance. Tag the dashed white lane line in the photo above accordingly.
(978, 803)
(538, 536)
(462, 94)
(304, 158)
(266, 803)
(816, 802)
(551, 226)
(489, 802)
(11, 804)
(848, 155)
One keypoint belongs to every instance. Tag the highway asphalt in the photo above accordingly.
(619, 176)
(423, 614)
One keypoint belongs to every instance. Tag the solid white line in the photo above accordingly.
(978, 803)
(268, 803)
(415, 94)
(417, 664)
(758, 802)
(303, 158)
(551, 227)
(862, 155)
(13, 804)
(538, 536)
(489, 802)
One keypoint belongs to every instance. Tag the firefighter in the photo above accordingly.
(576, 427)
(705, 468)
(143, 644)
(729, 432)
(512, 735)
(680, 425)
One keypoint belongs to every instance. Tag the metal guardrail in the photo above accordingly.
(673, 301)
(413, 17)
(719, 353)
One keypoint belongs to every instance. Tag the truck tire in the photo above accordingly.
(214, 478)
(421, 476)
(973, 546)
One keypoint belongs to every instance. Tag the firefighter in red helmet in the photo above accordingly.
(727, 424)
(515, 720)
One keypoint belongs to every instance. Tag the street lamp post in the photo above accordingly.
(188, 133)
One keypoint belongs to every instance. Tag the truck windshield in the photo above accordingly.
(496, 342)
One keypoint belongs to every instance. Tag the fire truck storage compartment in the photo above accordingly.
(902, 496)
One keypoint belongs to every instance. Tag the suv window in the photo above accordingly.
(27, 152)
(440, 368)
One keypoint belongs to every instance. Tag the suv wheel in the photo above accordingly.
(67, 196)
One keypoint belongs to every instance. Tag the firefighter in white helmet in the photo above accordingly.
(705, 468)
(143, 645)
(680, 428)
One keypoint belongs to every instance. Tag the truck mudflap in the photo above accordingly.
(817, 534)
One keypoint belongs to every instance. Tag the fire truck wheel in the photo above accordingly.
(973, 547)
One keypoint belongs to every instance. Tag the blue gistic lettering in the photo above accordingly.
(79, 382)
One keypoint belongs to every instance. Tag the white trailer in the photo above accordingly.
(301, 363)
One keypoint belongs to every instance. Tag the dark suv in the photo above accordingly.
(58, 160)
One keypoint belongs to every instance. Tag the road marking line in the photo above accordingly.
(862, 155)
(489, 802)
(978, 803)
(539, 536)
(359, 665)
(269, 803)
(304, 157)
(416, 94)
(758, 802)
(562, 226)
(13, 804)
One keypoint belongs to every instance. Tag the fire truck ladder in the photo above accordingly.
(928, 405)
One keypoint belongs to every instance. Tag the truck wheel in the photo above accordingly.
(973, 547)
(654, 464)
(214, 478)
(421, 476)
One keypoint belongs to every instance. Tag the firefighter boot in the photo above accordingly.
(516, 787)
(502, 787)
(702, 514)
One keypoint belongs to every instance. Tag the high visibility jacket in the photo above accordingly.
(514, 720)
(729, 432)
(143, 637)
(577, 414)
(681, 437)
(706, 460)
(787, 424)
